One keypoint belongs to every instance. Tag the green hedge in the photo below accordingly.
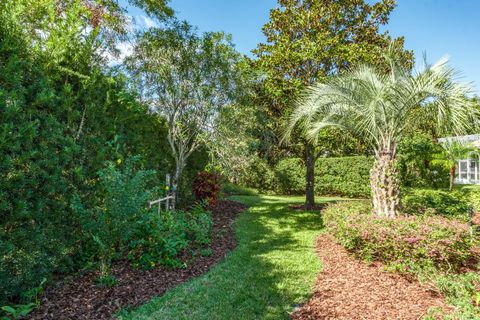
(289, 177)
(346, 176)
(428, 201)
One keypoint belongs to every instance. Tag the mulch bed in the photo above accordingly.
(350, 289)
(80, 298)
(303, 207)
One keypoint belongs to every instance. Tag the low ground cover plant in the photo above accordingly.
(435, 249)
(423, 241)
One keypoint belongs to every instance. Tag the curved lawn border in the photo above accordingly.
(272, 270)
(80, 298)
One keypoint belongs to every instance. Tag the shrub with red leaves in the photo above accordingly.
(206, 187)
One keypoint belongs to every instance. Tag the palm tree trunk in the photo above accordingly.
(310, 176)
(385, 185)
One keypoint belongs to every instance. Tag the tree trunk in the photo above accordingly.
(310, 175)
(452, 177)
(176, 181)
(385, 185)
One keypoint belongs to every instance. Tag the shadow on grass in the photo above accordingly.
(273, 268)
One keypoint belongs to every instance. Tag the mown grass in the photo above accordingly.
(273, 269)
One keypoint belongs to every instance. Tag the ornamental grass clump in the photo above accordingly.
(406, 243)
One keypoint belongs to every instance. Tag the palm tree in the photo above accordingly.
(376, 105)
(452, 152)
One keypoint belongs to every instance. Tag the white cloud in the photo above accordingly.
(125, 48)
(148, 22)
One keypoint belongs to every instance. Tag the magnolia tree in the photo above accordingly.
(186, 78)
(377, 105)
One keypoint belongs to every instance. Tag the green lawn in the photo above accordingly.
(273, 268)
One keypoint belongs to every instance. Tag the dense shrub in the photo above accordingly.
(63, 115)
(421, 201)
(345, 176)
(418, 165)
(471, 194)
(290, 176)
(159, 238)
(259, 175)
(231, 189)
(206, 187)
(404, 242)
(125, 193)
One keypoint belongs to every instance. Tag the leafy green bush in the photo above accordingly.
(404, 243)
(231, 189)
(158, 238)
(64, 113)
(290, 176)
(126, 192)
(421, 201)
(345, 176)
(259, 175)
(471, 194)
(417, 163)
(199, 225)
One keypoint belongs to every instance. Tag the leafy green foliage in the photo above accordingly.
(418, 242)
(418, 164)
(471, 194)
(460, 290)
(64, 115)
(308, 41)
(346, 176)
(230, 189)
(17, 312)
(290, 176)
(426, 201)
(159, 238)
(125, 192)
(259, 175)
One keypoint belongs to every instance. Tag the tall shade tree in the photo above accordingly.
(452, 152)
(308, 40)
(186, 78)
(377, 105)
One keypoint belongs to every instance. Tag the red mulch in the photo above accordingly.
(82, 299)
(350, 289)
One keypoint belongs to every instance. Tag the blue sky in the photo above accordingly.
(436, 27)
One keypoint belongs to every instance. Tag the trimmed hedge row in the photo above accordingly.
(346, 176)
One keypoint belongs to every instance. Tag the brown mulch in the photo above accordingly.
(303, 207)
(476, 218)
(350, 289)
(80, 298)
